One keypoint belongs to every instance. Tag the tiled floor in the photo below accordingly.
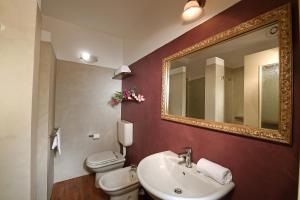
(81, 188)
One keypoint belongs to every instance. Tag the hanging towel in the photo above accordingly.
(215, 171)
(57, 141)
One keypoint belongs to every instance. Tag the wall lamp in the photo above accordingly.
(88, 58)
(193, 9)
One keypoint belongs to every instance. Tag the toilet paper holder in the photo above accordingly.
(94, 136)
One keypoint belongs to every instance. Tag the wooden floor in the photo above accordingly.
(82, 188)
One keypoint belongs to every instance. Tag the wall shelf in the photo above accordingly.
(122, 75)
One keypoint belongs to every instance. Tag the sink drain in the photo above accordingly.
(178, 191)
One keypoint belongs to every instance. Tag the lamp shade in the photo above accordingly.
(122, 69)
(122, 72)
(191, 11)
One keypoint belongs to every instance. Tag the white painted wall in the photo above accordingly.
(18, 84)
(34, 115)
(45, 121)
(214, 89)
(146, 32)
(164, 26)
(70, 40)
(81, 108)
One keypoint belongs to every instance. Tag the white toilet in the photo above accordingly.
(121, 184)
(106, 161)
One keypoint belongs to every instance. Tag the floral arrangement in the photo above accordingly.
(126, 95)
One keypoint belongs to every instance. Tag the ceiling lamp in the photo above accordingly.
(192, 10)
(88, 58)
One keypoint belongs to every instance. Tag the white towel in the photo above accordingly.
(215, 171)
(57, 141)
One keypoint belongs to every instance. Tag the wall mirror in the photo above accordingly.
(238, 81)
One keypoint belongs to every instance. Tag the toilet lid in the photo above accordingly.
(102, 157)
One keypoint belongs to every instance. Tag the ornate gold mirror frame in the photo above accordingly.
(282, 16)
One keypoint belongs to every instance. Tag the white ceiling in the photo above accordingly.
(69, 41)
(141, 26)
(114, 17)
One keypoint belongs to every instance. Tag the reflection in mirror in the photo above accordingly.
(235, 81)
(269, 96)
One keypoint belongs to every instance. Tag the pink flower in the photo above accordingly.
(125, 94)
(114, 102)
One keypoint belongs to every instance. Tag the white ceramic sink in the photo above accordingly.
(162, 173)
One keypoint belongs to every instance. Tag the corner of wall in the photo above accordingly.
(34, 114)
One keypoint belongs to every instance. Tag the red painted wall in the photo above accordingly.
(261, 169)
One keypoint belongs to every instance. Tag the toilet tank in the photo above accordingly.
(125, 133)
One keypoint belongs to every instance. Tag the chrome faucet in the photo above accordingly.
(187, 155)
(133, 167)
(132, 172)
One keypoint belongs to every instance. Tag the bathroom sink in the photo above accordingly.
(165, 176)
